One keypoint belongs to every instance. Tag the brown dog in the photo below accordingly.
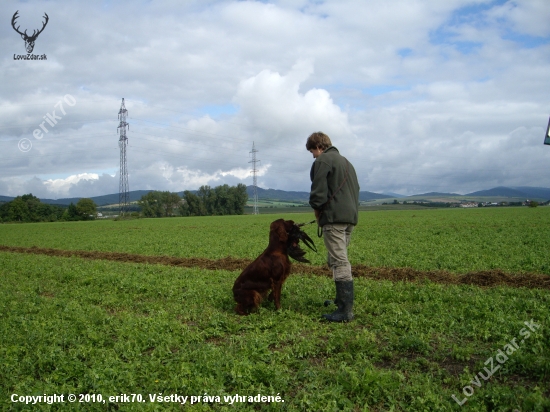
(270, 270)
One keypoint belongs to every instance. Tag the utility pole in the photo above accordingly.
(547, 137)
(123, 188)
(254, 179)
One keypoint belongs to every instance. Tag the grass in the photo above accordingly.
(76, 326)
(70, 325)
(512, 239)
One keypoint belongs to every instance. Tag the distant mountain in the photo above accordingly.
(523, 192)
(280, 195)
(289, 196)
(437, 194)
(534, 192)
(99, 200)
(393, 195)
(364, 196)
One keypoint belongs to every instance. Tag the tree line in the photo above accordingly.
(207, 201)
(29, 208)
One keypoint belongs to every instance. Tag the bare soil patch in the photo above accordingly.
(488, 278)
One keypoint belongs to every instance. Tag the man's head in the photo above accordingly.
(317, 143)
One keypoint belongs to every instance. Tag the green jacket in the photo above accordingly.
(327, 174)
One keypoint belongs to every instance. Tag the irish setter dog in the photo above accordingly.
(270, 270)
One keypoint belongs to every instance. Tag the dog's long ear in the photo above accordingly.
(278, 227)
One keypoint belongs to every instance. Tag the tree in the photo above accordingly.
(240, 197)
(207, 197)
(71, 213)
(207, 201)
(151, 204)
(32, 205)
(86, 209)
(169, 203)
(28, 208)
(159, 204)
(18, 210)
(221, 200)
(193, 205)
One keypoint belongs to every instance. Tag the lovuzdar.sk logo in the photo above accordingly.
(29, 40)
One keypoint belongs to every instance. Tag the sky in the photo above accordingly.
(420, 95)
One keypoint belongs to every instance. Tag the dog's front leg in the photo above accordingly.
(277, 294)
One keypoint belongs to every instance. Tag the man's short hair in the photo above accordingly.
(318, 140)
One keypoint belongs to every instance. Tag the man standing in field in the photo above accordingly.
(334, 197)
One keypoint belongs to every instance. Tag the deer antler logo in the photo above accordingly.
(29, 40)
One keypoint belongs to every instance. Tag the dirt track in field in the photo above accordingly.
(488, 278)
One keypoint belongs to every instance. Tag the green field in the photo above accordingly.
(458, 240)
(86, 326)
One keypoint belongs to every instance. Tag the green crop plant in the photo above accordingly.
(458, 240)
(71, 325)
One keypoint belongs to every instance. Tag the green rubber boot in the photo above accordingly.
(344, 300)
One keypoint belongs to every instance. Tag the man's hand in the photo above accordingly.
(317, 215)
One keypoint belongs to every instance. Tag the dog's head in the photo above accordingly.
(286, 231)
(280, 229)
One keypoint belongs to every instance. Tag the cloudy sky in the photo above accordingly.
(420, 95)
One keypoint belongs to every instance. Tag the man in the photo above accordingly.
(334, 197)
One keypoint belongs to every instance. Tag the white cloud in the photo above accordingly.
(420, 95)
(244, 174)
(274, 103)
(530, 17)
(61, 187)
